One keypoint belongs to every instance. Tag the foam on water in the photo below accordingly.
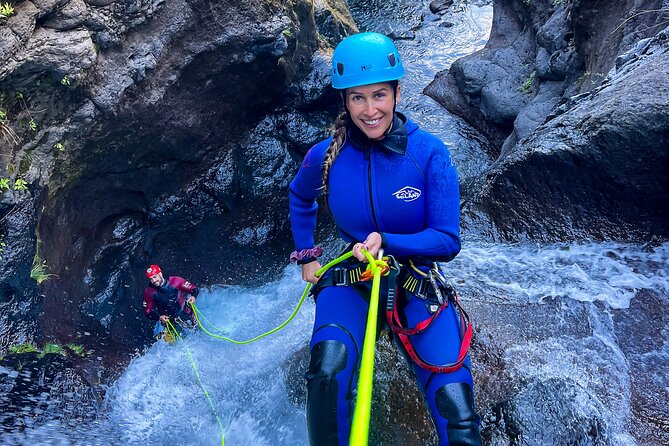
(246, 383)
(608, 272)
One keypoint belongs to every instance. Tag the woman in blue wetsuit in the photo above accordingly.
(388, 185)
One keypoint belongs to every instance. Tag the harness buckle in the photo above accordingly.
(421, 289)
(435, 286)
(339, 276)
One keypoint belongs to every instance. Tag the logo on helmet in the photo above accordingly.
(366, 67)
(407, 194)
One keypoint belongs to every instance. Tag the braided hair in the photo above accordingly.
(338, 140)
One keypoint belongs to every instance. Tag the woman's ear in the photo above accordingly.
(398, 93)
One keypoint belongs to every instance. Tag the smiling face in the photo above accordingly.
(371, 108)
(156, 279)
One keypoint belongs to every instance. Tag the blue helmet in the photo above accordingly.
(363, 59)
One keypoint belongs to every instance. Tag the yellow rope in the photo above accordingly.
(198, 314)
(363, 404)
(171, 329)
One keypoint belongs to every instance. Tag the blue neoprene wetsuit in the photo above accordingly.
(406, 188)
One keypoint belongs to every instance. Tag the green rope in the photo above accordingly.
(175, 333)
(360, 427)
(363, 404)
(199, 317)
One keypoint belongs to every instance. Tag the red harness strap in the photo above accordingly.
(403, 333)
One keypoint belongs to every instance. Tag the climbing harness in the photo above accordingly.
(432, 284)
(430, 287)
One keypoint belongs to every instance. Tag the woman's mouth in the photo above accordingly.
(371, 122)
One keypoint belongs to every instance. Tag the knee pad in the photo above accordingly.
(328, 358)
(455, 403)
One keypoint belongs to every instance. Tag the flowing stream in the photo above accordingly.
(254, 389)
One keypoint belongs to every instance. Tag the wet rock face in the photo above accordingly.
(399, 414)
(549, 412)
(641, 331)
(179, 126)
(570, 93)
(37, 389)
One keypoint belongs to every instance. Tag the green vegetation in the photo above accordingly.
(59, 146)
(40, 271)
(23, 348)
(65, 81)
(20, 184)
(286, 32)
(6, 130)
(6, 9)
(50, 348)
(528, 84)
(77, 349)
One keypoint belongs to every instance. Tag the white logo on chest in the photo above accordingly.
(407, 194)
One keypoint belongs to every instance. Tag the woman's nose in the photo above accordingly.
(370, 108)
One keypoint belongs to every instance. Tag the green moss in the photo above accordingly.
(77, 349)
(23, 348)
(52, 349)
(528, 85)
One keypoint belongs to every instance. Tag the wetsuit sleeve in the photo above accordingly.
(440, 240)
(149, 307)
(303, 191)
(189, 288)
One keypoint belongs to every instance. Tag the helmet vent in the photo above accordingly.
(391, 59)
(340, 68)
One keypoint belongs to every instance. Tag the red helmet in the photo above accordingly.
(152, 271)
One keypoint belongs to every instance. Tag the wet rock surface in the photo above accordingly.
(566, 92)
(39, 388)
(149, 131)
(182, 123)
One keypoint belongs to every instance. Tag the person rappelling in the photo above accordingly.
(389, 185)
(168, 298)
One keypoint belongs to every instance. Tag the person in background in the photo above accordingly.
(168, 297)
(388, 185)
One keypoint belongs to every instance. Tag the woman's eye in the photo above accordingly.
(380, 95)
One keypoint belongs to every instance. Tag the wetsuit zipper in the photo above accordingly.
(369, 180)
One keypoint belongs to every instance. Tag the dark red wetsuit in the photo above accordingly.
(168, 299)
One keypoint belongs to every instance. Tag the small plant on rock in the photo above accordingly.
(77, 349)
(528, 84)
(52, 349)
(23, 348)
(6, 9)
(40, 271)
(20, 184)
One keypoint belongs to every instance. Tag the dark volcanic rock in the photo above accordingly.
(642, 331)
(156, 132)
(569, 165)
(38, 388)
(439, 6)
(549, 412)
(597, 170)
